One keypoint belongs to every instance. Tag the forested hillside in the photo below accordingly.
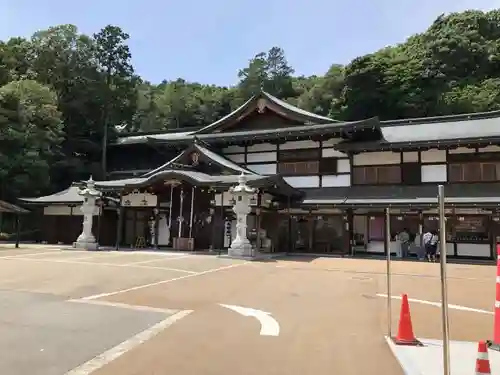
(61, 90)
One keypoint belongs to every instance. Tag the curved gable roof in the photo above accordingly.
(214, 157)
(290, 110)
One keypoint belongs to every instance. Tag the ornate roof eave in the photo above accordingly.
(6, 207)
(401, 205)
(260, 101)
(67, 196)
(409, 146)
(170, 142)
(200, 179)
(441, 119)
(279, 184)
(199, 146)
(331, 130)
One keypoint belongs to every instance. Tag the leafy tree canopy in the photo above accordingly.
(62, 92)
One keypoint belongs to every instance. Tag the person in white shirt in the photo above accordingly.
(431, 240)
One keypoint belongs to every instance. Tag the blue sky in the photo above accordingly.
(209, 41)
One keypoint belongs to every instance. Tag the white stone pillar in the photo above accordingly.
(242, 194)
(86, 239)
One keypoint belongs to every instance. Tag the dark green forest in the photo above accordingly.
(63, 94)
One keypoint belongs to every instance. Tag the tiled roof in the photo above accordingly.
(11, 208)
(69, 196)
(458, 194)
(216, 158)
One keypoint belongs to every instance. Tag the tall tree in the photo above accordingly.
(119, 95)
(30, 134)
(269, 71)
(65, 60)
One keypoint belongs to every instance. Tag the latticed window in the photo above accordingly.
(474, 172)
(377, 175)
(299, 162)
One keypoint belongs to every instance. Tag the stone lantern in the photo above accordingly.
(241, 195)
(86, 239)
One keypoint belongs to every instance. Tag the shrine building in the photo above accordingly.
(321, 185)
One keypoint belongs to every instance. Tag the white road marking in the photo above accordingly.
(160, 259)
(30, 254)
(152, 252)
(95, 255)
(438, 304)
(97, 296)
(268, 325)
(124, 306)
(113, 353)
(130, 265)
(160, 268)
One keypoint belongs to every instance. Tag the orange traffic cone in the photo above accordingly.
(405, 330)
(482, 361)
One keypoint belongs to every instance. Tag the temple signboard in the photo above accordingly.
(139, 200)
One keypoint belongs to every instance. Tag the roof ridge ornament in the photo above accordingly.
(261, 105)
(242, 179)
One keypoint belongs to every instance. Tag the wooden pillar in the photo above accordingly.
(258, 220)
(312, 226)
(386, 240)
(181, 213)
(191, 215)
(156, 212)
(213, 221)
(349, 232)
(421, 227)
(119, 226)
(290, 242)
(18, 230)
(99, 221)
(170, 214)
(451, 223)
(134, 229)
(223, 226)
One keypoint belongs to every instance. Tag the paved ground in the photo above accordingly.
(329, 315)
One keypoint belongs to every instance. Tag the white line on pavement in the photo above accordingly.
(95, 255)
(117, 351)
(96, 296)
(30, 254)
(438, 304)
(164, 259)
(124, 306)
(104, 264)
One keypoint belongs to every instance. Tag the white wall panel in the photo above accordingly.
(227, 198)
(262, 147)
(299, 144)
(303, 181)
(261, 156)
(332, 153)
(377, 158)
(433, 156)
(331, 142)
(264, 169)
(62, 210)
(474, 250)
(237, 158)
(343, 166)
(462, 150)
(336, 180)
(489, 149)
(410, 157)
(434, 173)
